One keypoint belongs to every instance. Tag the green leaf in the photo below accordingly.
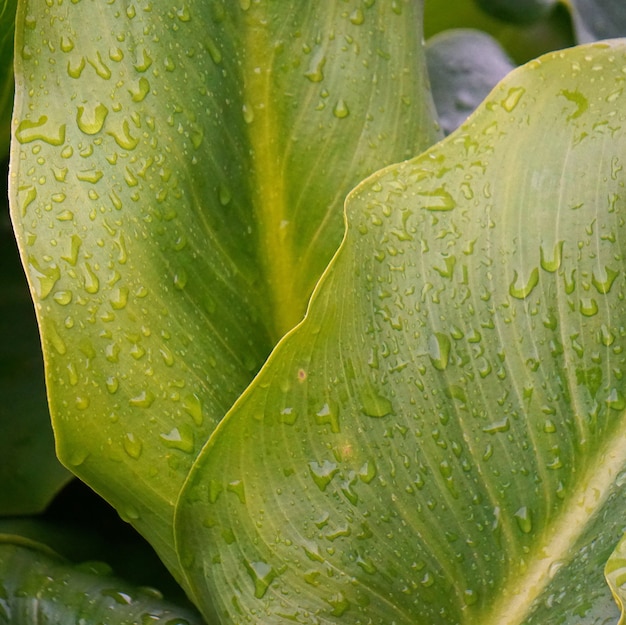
(37, 586)
(30, 474)
(464, 65)
(598, 19)
(443, 442)
(177, 187)
(7, 31)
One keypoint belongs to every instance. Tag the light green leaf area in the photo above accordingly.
(37, 586)
(177, 185)
(442, 440)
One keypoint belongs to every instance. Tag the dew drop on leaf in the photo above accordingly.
(145, 399)
(262, 575)
(341, 109)
(322, 474)
(315, 72)
(180, 438)
(91, 121)
(439, 350)
(524, 520)
(520, 289)
(132, 445)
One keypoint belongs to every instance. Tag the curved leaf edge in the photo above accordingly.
(616, 563)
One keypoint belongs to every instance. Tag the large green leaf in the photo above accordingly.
(37, 586)
(442, 440)
(7, 32)
(177, 184)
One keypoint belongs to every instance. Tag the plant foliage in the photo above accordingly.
(440, 438)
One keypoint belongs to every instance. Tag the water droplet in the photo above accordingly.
(315, 72)
(262, 575)
(92, 283)
(554, 263)
(82, 402)
(67, 45)
(603, 279)
(577, 98)
(91, 121)
(248, 113)
(55, 339)
(40, 130)
(322, 474)
(373, 404)
(132, 445)
(437, 200)
(145, 399)
(213, 50)
(119, 298)
(180, 279)
(357, 17)
(470, 596)
(616, 400)
(523, 290)
(179, 438)
(75, 68)
(328, 415)
(44, 278)
(503, 425)
(607, 338)
(166, 354)
(192, 404)
(77, 457)
(224, 195)
(100, 66)
(71, 256)
(341, 109)
(524, 519)
(63, 297)
(143, 63)
(26, 195)
(588, 306)
(439, 350)
(123, 138)
(139, 93)
(183, 14)
(512, 99)
(237, 487)
(339, 604)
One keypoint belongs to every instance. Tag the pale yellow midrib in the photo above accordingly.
(275, 252)
(591, 494)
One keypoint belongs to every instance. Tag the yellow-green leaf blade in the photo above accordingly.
(157, 164)
(442, 439)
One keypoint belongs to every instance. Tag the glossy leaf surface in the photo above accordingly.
(177, 188)
(444, 441)
(36, 587)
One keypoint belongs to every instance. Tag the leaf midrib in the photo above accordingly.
(514, 604)
(275, 248)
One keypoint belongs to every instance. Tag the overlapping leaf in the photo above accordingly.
(38, 586)
(442, 440)
(177, 178)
